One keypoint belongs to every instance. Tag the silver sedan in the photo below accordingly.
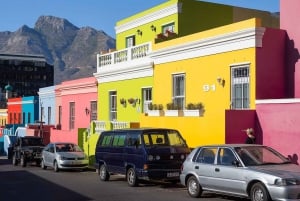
(63, 155)
(252, 171)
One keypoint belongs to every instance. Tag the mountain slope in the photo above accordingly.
(70, 49)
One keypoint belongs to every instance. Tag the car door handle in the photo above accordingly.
(196, 167)
(217, 170)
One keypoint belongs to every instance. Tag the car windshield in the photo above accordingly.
(163, 137)
(67, 148)
(32, 142)
(260, 155)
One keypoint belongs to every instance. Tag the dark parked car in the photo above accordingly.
(141, 154)
(251, 171)
(27, 149)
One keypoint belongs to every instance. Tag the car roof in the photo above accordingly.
(231, 145)
(140, 129)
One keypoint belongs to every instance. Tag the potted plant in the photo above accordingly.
(172, 109)
(194, 109)
(155, 109)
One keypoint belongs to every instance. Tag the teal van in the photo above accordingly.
(141, 154)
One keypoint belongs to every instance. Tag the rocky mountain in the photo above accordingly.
(70, 49)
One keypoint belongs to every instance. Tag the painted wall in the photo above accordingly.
(184, 13)
(47, 100)
(14, 110)
(30, 108)
(202, 71)
(280, 123)
(131, 88)
(270, 65)
(289, 15)
(81, 92)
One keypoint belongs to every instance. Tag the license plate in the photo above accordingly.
(173, 174)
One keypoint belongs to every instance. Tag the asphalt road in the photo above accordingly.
(34, 184)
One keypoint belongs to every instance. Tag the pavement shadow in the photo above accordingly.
(22, 185)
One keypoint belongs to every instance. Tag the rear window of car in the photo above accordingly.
(206, 155)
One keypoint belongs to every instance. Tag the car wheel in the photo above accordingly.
(259, 193)
(131, 177)
(14, 160)
(193, 187)
(23, 161)
(103, 173)
(55, 165)
(43, 166)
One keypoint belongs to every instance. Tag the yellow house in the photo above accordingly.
(205, 67)
(177, 45)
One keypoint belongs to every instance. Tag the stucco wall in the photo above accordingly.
(280, 125)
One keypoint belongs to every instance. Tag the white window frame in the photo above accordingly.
(72, 115)
(240, 87)
(113, 105)
(178, 88)
(130, 41)
(147, 98)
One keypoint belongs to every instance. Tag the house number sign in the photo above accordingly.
(207, 87)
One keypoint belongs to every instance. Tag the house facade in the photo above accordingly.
(76, 107)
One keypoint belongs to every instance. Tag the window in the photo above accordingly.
(240, 87)
(130, 41)
(42, 112)
(119, 140)
(59, 114)
(49, 115)
(72, 116)
(226, 157)
(28, 120)
(168, 27)
(147, 98)
(93, 110)
(206, 155)
(179, 90)
(113, 105)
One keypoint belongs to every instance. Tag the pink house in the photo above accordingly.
(76, 103)
(278, 118)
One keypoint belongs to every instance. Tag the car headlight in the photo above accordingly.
(150, 158)
(287, 182)
(63, 158)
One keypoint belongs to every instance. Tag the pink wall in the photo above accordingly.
(280, 125)
(270, 58)
(81, 92)
(289, 20)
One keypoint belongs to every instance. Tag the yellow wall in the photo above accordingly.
(131, 88)
(201, 71)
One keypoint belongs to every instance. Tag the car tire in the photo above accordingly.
(193, 187)
(131, 177)
(103, 173)
(259, 193)
(55, 166)
(23, 161)
(14, 160)
(43, 166)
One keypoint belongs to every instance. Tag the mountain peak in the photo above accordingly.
(55, 23)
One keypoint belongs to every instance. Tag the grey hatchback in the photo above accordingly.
(253, 171)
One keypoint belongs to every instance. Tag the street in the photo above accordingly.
(34, 184)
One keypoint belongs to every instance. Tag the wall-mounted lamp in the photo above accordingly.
(139, 32)
(153, 28)
(87, 111)
(221, 81)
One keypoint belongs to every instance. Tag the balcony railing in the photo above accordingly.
(125, 55)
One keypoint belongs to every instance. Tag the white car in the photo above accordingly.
(64, 155)
(252, 171)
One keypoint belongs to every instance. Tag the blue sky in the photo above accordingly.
(99, 14)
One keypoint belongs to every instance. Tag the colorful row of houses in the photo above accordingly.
(237, 64)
